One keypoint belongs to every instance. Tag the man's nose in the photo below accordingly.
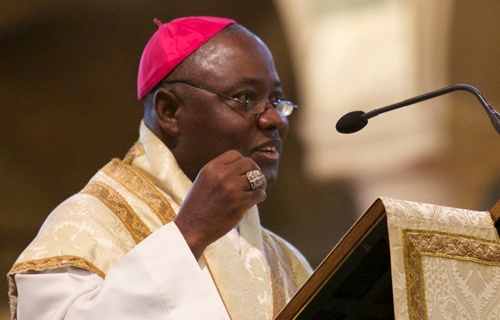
(271, 118)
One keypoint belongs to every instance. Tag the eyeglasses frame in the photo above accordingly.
(221, 95)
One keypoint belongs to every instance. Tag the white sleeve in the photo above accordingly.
(158, 279)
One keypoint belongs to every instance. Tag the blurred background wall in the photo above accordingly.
(68, 105)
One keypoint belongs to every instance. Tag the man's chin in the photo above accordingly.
(271, 177)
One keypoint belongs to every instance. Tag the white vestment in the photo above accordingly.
(111, 252)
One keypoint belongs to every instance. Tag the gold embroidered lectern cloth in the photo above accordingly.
(445, 262)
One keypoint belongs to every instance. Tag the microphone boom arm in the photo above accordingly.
(362, 118)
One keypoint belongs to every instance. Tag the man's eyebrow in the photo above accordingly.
(254, 81)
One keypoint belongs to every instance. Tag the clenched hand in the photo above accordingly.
(218, 200)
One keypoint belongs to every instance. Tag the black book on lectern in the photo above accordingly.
(354, 280)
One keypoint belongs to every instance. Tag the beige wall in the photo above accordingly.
(362, 55)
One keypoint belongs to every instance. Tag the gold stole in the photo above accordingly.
(271, 277)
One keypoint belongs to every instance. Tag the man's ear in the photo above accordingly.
(166, 107)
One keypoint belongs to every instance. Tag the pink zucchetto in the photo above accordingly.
(171, 44)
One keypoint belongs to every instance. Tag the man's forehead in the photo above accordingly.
(230, 47)
(231, 60)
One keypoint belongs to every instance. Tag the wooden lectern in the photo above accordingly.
(408, 260)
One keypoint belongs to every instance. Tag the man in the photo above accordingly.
(172, 230)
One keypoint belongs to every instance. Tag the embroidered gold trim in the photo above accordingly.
(141, 187)
(116, 203)
(293, 286)
(133, 153)
(279, 296)
(419, 243)
(56, 262)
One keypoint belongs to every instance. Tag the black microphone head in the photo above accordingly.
(351, 122)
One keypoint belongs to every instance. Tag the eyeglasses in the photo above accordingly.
(284, 107)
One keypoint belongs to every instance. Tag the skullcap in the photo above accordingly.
(171, 44)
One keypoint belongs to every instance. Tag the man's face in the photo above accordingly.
(208, 127)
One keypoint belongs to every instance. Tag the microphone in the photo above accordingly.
(357, 120)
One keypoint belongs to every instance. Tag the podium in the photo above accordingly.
(408, 260)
